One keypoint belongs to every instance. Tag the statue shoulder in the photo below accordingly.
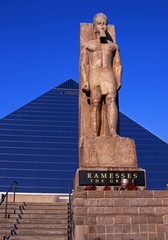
(113, 45)
(91, 45)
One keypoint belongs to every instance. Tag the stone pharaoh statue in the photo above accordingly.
(101, 71)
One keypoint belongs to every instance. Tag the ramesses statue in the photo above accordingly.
(100, 79)
(101, 71)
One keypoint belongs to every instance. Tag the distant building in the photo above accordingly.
(39, 144)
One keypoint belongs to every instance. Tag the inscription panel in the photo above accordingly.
(110, 178)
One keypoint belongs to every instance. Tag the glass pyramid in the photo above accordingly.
(39, 144)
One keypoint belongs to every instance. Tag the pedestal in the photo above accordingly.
(112, 215)
(107, 152)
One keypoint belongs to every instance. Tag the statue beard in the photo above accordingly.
(103, 37)
(102, 33)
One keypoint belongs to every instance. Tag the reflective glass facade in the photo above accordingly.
(39, 144)
(152, 152)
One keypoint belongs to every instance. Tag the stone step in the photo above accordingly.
(9, 211)
(44, 221)
(45, 211)
(5, 231)
(41, 226)
(41, 231)
(40, 237)
(6, 221)
(31, 225)
(11, 204)
(14, 213)
(55, 207)
(10, 208)
(9, 216)
(39, 216)
(46, 204)
(6, 226)
(38, 221)
(34, 205)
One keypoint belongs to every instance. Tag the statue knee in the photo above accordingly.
(110, 100)
(95, 103)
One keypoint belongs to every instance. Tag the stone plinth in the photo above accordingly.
(116, 215)
(107, 152)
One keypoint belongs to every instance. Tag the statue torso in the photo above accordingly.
(100, 57)
(101, 54)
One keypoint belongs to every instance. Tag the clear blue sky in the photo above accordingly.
(39, 42)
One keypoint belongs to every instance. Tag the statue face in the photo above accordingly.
(100, 25)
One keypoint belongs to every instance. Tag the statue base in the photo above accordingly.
(107, 152)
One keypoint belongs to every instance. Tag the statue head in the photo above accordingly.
(100, 24)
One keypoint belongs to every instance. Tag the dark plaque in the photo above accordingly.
(110, 178)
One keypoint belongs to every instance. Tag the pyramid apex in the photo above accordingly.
(69, 84)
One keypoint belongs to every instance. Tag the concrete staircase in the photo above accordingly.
(120, 215)
(35, 221)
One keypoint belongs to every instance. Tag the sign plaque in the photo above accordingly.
(110, 178)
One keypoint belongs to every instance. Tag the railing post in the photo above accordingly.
(6, 206)
(15, 186)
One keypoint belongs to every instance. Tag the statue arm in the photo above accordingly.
(85, 70)
(117, 67)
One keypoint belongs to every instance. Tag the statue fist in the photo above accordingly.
(85, 86)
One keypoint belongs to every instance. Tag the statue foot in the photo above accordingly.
(114, 135)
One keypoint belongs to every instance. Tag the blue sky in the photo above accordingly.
(39, 42)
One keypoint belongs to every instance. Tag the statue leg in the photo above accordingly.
(96, 111)
(112, 114)
(96, 118)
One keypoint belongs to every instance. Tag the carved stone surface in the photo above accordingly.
(120, 215)
(100, 78)
(95, 213)
(107, 151)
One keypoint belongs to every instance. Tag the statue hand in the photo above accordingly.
(85, 86)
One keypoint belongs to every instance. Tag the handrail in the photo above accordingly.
(70, 215)
(5, 196)
(18, 217)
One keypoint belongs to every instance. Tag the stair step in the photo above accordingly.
(8, 220)
(55, 207)
(10, 211)
(40, 216)
(40, 237)
(34, 231)
(46, 204)
(11, 204)
(46, 211)
(48, 221)
(43, 221)
(41, 226)
(6, 226)
(5, 231)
